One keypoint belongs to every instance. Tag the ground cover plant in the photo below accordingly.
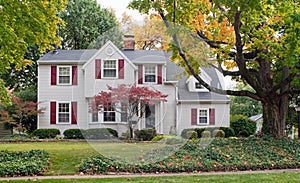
(208, 155)
(33, 162)
(288, 177)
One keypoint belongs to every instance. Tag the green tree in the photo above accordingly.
(259, 38)
(24, 24)
(86, 22)
(241, 105)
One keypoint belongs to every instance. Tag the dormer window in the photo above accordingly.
(199, 86)
(109, 69)
(150, 74)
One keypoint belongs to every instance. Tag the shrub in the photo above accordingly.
(242, 126)
(192, 134)
(73, 134)
(229, 132)
(46, 133)
(158, 138)
(99, 133)
(219, 133)
(206, 134)
(171, 140)
(23, 163)
(145, 134)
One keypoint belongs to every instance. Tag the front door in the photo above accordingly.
(150, 116)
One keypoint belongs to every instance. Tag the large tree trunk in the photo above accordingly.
(274, 116)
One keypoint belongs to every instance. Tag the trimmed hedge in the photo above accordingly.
(99, 133)
(73, 134)
(242, 126)
(229, 132)
(23, 163)
(46, 133)
(145, 134)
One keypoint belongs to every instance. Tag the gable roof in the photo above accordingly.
(67, 56)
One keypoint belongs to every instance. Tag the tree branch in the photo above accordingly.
(201, 81)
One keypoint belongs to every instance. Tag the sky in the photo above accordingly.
(120, 6)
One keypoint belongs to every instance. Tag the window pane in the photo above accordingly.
(95, 117)
(64, 75)
(63, 107)
(198, 86)
(63, 118)
(109, 73)
(109, 116)
(203, 113)
(202, 120)
(150, 78)
(110, 64)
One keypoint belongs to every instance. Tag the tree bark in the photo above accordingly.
(273, 110)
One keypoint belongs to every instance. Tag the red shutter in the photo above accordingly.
(194, 116)
(74, 113)
(98, 69)
(159, 74)
(74, 75)
(211, 116)
(52, 113)
(53, 74)
(140, 74)
(121, 68)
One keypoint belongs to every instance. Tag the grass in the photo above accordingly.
(66, 156)
(240, 178)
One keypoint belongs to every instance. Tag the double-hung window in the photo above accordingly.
(203, 116)
(109, 69)
(150, 74)
(109, 114)
(64, 112)
(64, 75)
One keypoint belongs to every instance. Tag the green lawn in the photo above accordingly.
(240, 178)
(65, 156)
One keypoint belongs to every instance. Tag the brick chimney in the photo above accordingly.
(129, 42)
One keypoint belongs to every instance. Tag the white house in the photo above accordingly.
(69, 79)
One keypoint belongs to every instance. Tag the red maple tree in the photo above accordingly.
(129, 100)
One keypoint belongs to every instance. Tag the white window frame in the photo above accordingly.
(61, 66)
(198, 116)
(57, 112)
(102, 69)
(144, 74)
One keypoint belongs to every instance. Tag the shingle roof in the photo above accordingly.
(68, 55)
(176, 73)
(146, 56)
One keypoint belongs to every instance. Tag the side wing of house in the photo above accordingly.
(197, 107)
(61, 89)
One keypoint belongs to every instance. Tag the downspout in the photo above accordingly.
(176, 108)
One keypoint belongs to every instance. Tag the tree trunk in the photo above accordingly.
(273, 111)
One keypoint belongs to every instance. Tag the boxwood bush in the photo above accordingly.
(99, 133)
(229, 132)
(242, 126)
(145, 134)
(23, 163)
(46, 133)
(73, 134)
